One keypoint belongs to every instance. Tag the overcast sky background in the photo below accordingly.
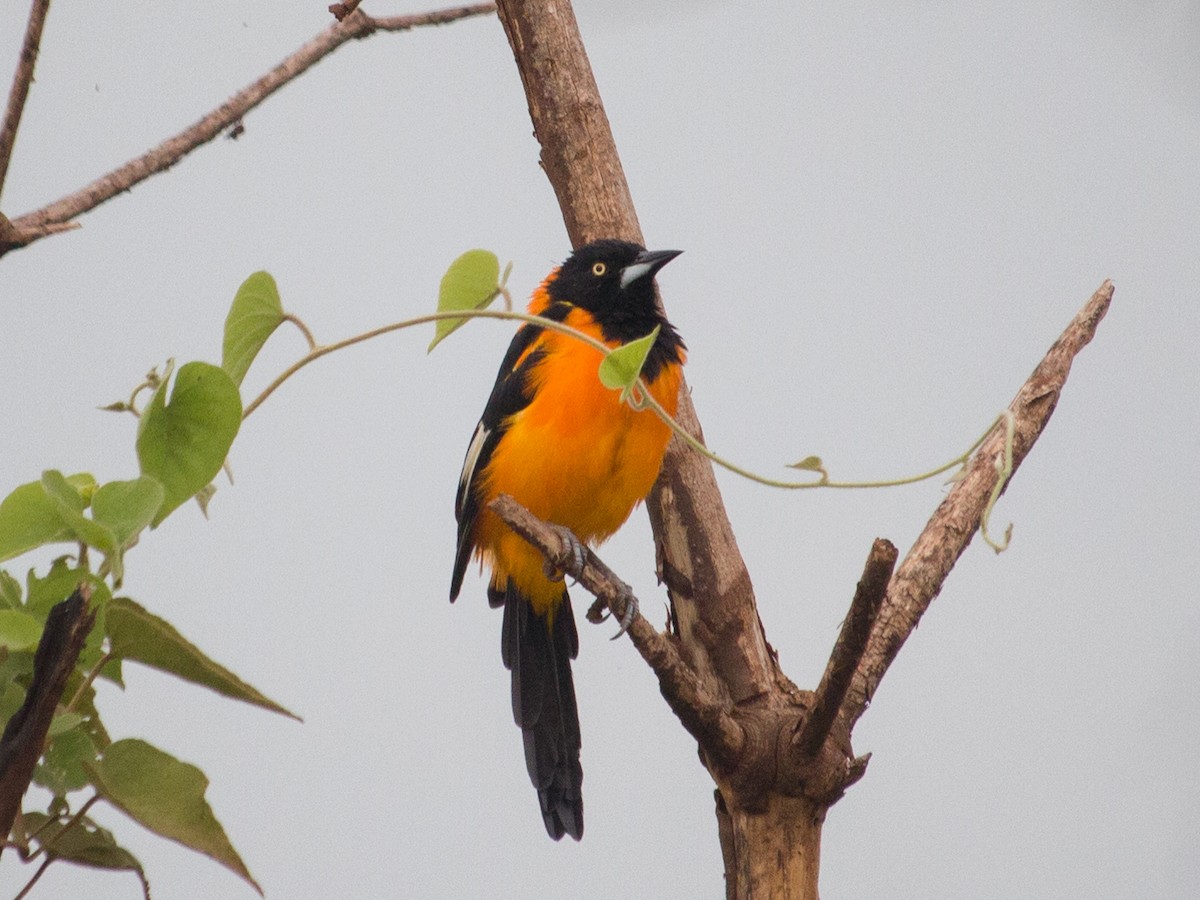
(888, 216)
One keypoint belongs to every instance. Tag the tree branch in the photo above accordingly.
(66, 629)
(849, 648)
(50, 219)
(20, 86)
(702, 715)
(578, 152)
(699, 559)
(919, 579)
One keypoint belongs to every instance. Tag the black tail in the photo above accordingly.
(539, 656)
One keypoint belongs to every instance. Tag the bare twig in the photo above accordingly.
(50, 219)
(20, 86)
(919, 578)
(341, 10)
(701, 714)
(849, 648)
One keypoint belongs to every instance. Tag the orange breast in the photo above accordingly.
(575, 456)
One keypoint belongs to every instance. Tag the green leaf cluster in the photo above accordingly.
(159, 792)
(184, 435)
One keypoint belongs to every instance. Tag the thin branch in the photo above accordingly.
(849, 648)
(35, 225)
(919, 578)
(701, 714)
(66, 629)
(20, 86)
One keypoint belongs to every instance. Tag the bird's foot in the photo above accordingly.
(577, 555)
(630, 609)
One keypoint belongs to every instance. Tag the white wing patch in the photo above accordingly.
(468, 470)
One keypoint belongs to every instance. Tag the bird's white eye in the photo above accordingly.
(598, 269)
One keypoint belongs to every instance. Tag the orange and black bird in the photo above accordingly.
(566, 447)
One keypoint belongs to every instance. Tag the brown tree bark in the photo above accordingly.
(720, 636)
(21, 745)
(780, 756)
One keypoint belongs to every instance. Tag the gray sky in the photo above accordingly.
(888, 216)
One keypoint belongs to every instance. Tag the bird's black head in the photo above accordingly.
(614, 281)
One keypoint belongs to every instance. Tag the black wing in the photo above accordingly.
(509, 396)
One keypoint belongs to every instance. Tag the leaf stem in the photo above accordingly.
(67, 826)
(91, 677)
(299, 323)
(148, 384)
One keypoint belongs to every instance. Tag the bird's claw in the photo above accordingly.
(631, 610)
(573, 566)
(578, 555)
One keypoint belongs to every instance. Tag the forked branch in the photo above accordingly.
(849, 649)
(919, 579)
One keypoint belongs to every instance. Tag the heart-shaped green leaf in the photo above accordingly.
(182, 443)
(10, 591)
(29, 519)
(809, 464)
(621, 368)
(255, 314)
(85, 843)
(61, 768)
(471, 282)
(19, 630)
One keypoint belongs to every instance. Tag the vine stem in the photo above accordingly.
(1004, 468)
(639, 398)
(325, 349)
(648, 402)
